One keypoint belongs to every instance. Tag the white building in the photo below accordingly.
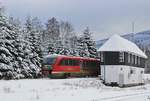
(122, 62)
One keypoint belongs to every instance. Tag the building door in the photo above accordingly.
(121, 80)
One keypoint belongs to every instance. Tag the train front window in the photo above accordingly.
(49, 60)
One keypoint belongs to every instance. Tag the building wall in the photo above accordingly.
(122, 75)
(122, 68)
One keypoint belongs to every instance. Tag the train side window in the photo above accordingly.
(92, 64)
(84, 63)
(64, 62)
(75, 62)
(89, 64)
(69, 63)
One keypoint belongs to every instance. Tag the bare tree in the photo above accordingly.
(67, 33)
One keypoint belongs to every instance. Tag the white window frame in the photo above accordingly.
(102, 56)
(135, 59)
(139, 60)
(129, 60)
(121, 56)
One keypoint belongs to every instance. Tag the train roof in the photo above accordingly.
(52, 55)
(56, 55)
(117, 43)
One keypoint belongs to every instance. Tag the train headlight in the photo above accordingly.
(47, 67)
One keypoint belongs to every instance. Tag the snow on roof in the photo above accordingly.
(117, 43)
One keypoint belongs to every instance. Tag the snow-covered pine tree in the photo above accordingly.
(87, 39)
(22, 51)
(52, 36)
(15, 26)
(6, 58)
(38, 30)
(9, 66)
(33, 47)
(82, 47)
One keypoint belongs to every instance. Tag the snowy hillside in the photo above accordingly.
(75, 89)
(141, 38)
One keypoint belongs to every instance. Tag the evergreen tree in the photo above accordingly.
(52, 35)
(33, 47)
(82, 47)
(9, 66)
(25, 59)
(90, 43)
(6, 66)
(15, 26)
(37, 36)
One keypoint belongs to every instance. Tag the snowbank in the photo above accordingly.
(75, 89)
(147, 78)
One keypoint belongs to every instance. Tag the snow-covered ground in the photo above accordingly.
(73, 89)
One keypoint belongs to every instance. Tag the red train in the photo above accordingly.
(66, 66)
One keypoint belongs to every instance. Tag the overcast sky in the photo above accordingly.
(104, 17)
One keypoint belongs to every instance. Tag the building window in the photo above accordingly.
(132, 71)
(121, 57)
(142, 72)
